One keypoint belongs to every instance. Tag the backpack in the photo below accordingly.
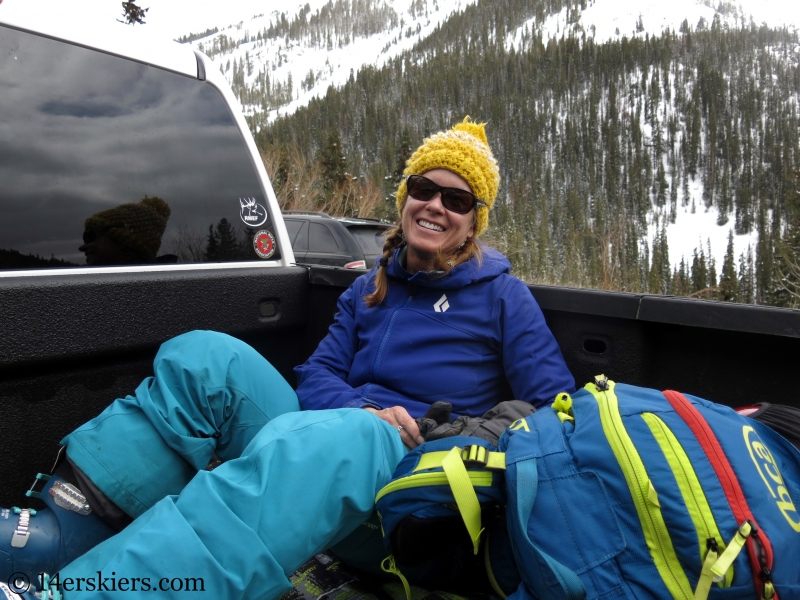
(618, 492)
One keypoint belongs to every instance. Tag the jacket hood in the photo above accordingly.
(491, 266)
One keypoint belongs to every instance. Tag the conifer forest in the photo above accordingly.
(593, 139)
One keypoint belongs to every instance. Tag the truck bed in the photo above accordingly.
(73, 344)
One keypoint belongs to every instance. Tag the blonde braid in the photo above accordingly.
(394, 239)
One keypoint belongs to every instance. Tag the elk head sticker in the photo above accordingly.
(253, 214)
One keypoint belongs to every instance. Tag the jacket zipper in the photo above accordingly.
(379, 358)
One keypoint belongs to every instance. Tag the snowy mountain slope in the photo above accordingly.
(695, 226)
(304, 49)
(286, 60)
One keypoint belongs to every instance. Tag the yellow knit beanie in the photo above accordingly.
(464, 150)
(137, 225)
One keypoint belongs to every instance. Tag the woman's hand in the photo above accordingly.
(406, 426)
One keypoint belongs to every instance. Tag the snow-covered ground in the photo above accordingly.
(171, 19)
(699, 229)
(165, 19)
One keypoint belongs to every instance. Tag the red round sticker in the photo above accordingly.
(264, 243)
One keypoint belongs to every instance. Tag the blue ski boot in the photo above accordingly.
(33, 542)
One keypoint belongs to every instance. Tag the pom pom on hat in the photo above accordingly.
(136, 225)
(464, 150)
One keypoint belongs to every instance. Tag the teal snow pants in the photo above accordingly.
(294, 484)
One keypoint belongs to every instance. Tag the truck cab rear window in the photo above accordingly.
(106, 161)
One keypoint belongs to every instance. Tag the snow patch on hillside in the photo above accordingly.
(375, 50)
(696, 228)
(612, 19)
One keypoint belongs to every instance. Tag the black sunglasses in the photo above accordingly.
(453, 199)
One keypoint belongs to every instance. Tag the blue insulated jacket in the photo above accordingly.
(457, 337)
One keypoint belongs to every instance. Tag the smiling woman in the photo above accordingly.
(431, 228)
(450, 185)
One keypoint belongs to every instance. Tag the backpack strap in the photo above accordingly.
(464, 494)
(540, 568)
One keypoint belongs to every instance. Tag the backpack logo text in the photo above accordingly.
(765, 463)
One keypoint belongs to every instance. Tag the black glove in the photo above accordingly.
(438, 414)
(435, 426)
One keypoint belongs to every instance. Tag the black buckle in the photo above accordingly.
(475, 456)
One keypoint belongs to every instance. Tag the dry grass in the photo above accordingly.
(304, 188)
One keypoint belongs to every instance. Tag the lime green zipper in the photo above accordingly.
(478, 479)
(645, 498)
(692, 492)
